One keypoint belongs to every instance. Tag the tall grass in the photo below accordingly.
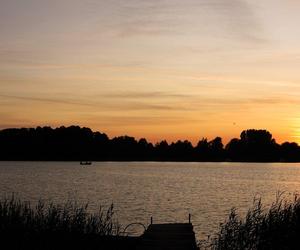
(70, 226)
(277, 227)
(51, 226)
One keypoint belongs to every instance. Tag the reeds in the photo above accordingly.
(277, 227)
(51, 226)
(70, 226)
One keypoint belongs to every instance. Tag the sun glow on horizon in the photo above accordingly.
(296, 131)
(153, 69)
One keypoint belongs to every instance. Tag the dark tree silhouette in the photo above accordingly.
(202, 150)
(234, 150)
(254, 145)
(161, 151)
(290, 152)
(181, 151)
(216, 149)
(258, 145)
(76, 143)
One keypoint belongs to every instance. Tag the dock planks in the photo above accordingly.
(176, 236)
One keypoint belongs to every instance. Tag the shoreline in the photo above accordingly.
(152, 161)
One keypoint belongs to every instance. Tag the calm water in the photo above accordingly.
(166, 191)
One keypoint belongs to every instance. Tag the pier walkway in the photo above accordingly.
(177, 236)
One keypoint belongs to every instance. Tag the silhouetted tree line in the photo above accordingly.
(77, 144)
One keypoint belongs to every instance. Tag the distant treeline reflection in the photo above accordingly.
(76, 144)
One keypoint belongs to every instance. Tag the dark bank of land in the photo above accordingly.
(70, 226)
(76, 144)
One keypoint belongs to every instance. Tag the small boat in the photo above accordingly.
(85, 163)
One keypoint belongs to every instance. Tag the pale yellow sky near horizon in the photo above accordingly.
(160, 69)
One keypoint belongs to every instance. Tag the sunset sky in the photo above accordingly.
(160, 69)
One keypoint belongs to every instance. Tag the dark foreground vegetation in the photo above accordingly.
(70, 226)
(50, 226)
(76, 144)
(275, 228)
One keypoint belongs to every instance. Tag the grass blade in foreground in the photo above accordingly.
(275, 228)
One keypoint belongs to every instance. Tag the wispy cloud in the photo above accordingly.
(47, 100)
(139, 121)
(238, 18)
(157, 101)
(104, 106)
(232, 19)
(144, 95)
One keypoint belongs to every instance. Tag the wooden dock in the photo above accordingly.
(177, 236)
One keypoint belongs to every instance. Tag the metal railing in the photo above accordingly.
(132, 224)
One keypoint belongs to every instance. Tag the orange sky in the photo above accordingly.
(161, 69)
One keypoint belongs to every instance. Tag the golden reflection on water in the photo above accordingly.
(166, 191)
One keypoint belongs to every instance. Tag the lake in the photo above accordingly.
(168, 191)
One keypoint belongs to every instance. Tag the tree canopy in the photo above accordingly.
(75, 144)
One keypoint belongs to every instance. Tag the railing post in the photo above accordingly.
(190, 218)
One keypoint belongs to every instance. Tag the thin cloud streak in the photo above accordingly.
(105, 106)
(140, 121)
(164, 101)
(145, 95)
(236, 19)
(202, 99)
(48, 100)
